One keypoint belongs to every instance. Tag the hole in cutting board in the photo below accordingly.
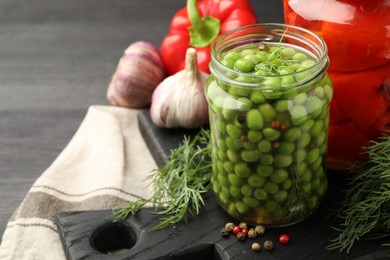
(113, 238)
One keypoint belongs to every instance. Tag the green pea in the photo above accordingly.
(314, 106)
(235, 192)
(222, 179)
(220, 125)
(299, 56)
(234, 144)
(317, 128)
(260, 194)
(306, 187)
(228, 63)
(232, 55)
(298, 115)
(228, 166)
(319, 92)
(246, 52)
(287, 81)
(328, 92)
(233, 131)
(313, 201)
(272, 82)
(253, 58)
(305, 127)
(304, 140)
(229, 108)
(300, 155)
(220, 167)
(260, 72)
(287, 52)
(266, 159)
(300, 98)
(264, 170)
(251, 202)
(262, 55)
(244, 65)
(271, 187)
(221, 144)
(240, 90)
(312, 155)
(224, 197)
(217, 104)
(250, 155)
(233, 156)
(247, 190)
(271, 134)
(254, 119)
(264, 146)
(292, 134)
(306, 176)
(282, 161)
(268, 112)
(287, 184)
(321, 189)
(242, 170)
(250, 146)
(257, 97)
(254, 136)
(222, 155)
(301, 166)
(244, 104)
(242, 208)
(235, 180)
(279, 176)
(320, 139)
(283, 105)
(255, 181)
(286, 148)
(317, 164)
(216, 186)
(280, 195)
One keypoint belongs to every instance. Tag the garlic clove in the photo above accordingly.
(179, 100)
(138, 73)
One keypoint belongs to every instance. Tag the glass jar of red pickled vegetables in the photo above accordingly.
(357, 33)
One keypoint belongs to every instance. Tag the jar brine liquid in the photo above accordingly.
(269, 98)
(358, 38)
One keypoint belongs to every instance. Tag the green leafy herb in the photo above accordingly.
(365, 212)
(177, 186)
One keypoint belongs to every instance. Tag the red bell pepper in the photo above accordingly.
(198, 25)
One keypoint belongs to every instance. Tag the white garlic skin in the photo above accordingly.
(138, 73)
(180, 100)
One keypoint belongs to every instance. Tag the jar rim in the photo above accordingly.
(321, 61)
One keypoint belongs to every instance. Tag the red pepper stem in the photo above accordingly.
(193, 13)
(203, 30)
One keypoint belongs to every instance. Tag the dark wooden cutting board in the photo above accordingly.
(91, 234)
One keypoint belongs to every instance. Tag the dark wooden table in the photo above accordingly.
(56, 59)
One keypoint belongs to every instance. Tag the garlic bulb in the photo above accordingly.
(179, 100)
(138, 73)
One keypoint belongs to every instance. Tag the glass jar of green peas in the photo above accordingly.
(269, 96)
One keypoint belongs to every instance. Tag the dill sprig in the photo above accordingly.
(179, 185)
(365, 211)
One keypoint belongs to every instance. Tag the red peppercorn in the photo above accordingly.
(275, 124)
(245, 231)
(284, 127)
(236, 230)
(284, 239)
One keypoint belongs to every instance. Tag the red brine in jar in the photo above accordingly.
(357, 33)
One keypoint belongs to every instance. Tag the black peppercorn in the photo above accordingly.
(224, 232)
(268, 245)
(241, 236)
(229, 226)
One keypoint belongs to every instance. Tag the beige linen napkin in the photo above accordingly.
(104, 164)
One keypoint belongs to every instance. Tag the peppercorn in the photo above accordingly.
(268, 245)
(284, 127)
(241, 236)
(244, 138)
(275, 124)
(256, 247)
(224, 232)
(236, 229)
(263, 47)
(245, 231)
(284, 239)
(243, 225)
(229, 226)
(241, 118)
(275, 145)
(260, 229)
(252, 233)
